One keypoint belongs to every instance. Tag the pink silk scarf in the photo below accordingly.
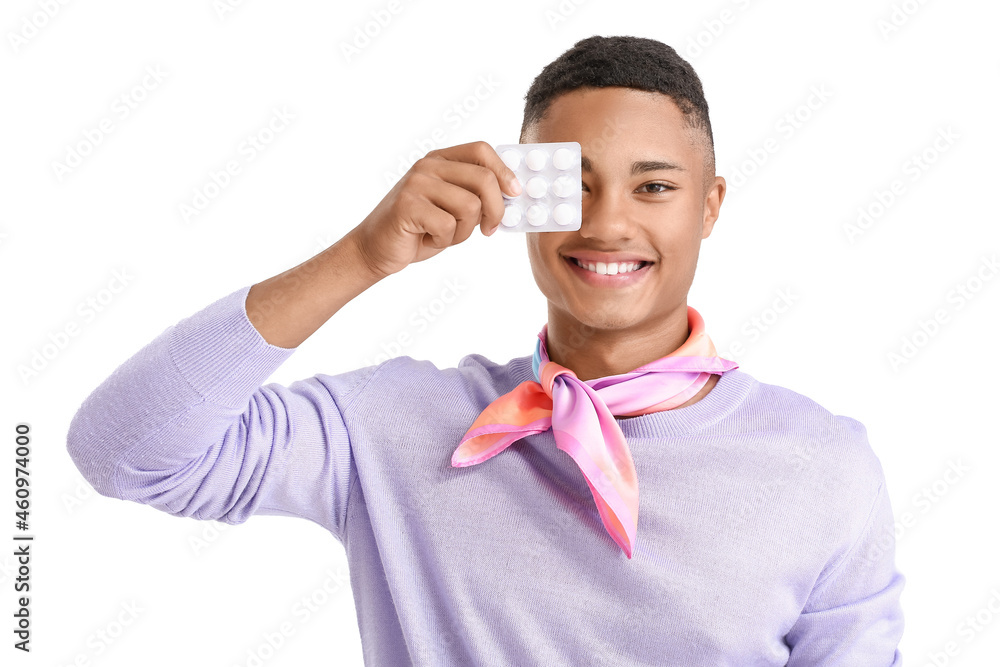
(581, 414)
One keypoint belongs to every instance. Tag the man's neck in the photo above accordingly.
(595, 353)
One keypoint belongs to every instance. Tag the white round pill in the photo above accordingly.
(535, 159)
(563, 158)
(511, 158)
(564, 214)
(537, 215)
(511, 216)
(536, 187)
(563, 186)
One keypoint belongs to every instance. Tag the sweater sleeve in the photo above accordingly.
(853, 615)
(186, 426)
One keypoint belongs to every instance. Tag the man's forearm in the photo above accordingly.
(289, 307)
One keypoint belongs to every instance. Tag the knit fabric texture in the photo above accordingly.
(767, 531)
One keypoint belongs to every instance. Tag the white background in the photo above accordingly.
(62, 237)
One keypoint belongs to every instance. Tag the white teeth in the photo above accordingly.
(608, 269)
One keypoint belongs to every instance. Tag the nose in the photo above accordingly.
(605, 216)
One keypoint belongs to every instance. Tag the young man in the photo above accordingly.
(700, 518)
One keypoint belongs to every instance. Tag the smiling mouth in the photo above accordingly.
(609, 268)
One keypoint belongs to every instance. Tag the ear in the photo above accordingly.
(714, 195)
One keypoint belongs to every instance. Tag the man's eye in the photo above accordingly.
(657, 187)
(663, 187)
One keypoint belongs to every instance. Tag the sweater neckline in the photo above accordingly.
(725, 397)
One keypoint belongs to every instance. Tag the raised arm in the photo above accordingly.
(437, 204)
(185, 424)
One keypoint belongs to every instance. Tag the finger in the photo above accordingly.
(436, 224)
(465, 206)
(481, 153)
(477, 180)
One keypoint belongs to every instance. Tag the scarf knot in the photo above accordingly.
(549, 372)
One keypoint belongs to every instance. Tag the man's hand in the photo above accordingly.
(436, 204)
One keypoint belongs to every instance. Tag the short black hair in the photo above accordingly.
(629, 62)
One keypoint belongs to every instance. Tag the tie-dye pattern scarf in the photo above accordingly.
(581, 414)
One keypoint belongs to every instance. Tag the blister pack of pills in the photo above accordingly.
(550, 176)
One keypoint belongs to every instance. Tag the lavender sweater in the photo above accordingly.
(765, 532)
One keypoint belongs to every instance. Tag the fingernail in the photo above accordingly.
(490, 233)
(515, 186)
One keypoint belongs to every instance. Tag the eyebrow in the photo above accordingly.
(653, 165)
(640, 167)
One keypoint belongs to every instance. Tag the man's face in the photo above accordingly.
(635, 207)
